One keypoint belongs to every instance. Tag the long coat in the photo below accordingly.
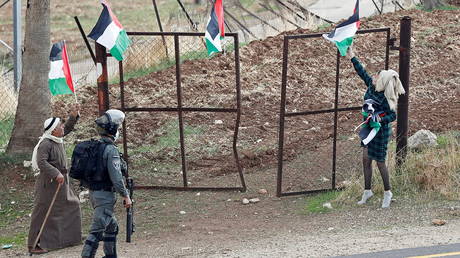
(63, 227)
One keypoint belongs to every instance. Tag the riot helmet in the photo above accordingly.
(109, 122)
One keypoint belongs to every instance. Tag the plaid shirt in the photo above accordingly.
(377, 148)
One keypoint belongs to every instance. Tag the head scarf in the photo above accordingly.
(389, 82)
(48, 126)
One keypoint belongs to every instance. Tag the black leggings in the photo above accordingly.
(367, 169)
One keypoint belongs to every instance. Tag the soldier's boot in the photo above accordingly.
(91, 245)
(110, 245)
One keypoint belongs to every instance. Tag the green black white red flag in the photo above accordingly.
(60, 77)
(215, 28)
(109, 32)
(343, 34)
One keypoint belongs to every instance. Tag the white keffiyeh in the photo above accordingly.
(49, 125)
(389, 82)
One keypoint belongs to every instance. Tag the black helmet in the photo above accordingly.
(110, 121)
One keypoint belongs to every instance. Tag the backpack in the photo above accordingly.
(87, 164)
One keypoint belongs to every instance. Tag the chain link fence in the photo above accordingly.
(8, 95)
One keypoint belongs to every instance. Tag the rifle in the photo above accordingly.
(130, 226)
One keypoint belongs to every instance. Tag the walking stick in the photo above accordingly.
(46, 217)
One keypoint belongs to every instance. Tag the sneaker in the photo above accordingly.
(386, 199)
(366, 195)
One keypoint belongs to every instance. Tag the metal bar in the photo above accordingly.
(403, 101)
(83, 35)
(279, 15)
(336, 104)
(294, 12)
(102, 82)
(179, 188)
(239, 23)
(303, 9)
(317, 35)
(157, 14)
(257, 17)
(238, 113)
(281, 121)
(156, 33)
(192, 23)
(387, 51)
(4, 3)
(122, 100)
(17, 43)
(306, 192)
(184, 109)
(179, 109)
(321, 111)
(376, 7)
(398, 4)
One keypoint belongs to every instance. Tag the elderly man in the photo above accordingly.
(63, 226)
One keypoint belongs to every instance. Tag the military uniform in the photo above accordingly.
(103, 197)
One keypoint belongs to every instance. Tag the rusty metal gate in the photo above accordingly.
(335, 110)
(103, 99)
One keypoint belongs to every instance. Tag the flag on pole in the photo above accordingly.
(215, 28)
(59, 77)
(109, 32)
(343, 34)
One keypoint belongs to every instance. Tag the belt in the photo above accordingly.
(106, 189)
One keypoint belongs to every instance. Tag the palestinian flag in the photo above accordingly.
(215, 28)
(343, 34)
(109, 32)
(59, 77)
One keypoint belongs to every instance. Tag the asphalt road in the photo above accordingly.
(452, 250)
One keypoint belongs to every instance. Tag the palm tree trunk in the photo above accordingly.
(34, 95)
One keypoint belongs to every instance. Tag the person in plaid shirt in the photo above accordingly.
(385, 92)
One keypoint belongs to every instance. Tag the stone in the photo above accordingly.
(262, 191)
(245, 201)
(422, 138)
(327, 205)
(254, 200)
(182, 212)
(438, 222)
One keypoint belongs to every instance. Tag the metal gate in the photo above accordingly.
(335, 110)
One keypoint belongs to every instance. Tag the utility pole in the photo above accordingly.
(17, 43)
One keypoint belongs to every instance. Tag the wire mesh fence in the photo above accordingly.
(8, 96)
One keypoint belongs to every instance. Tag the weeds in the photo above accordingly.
(428, 173)
(315, 203)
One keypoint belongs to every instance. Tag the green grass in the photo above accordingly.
(6, 126)
(315, 203)
(18, 239)
(443, 8)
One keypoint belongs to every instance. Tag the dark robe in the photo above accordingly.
(63, 227)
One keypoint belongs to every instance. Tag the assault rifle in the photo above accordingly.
(130, 227)
(130, 211)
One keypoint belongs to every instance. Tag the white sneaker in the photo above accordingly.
(386, 199)
(366, 195)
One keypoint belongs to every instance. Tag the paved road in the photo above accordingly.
(452, 250)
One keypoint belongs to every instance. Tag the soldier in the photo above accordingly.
(103, 192)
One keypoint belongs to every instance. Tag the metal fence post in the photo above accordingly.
(403, 101)
(17, 19)
(102, 79)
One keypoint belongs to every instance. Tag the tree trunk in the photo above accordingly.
(432, 4)
(34, 95)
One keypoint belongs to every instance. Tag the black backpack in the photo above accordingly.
(87, 161)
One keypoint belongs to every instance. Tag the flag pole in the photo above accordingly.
(73, 83)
